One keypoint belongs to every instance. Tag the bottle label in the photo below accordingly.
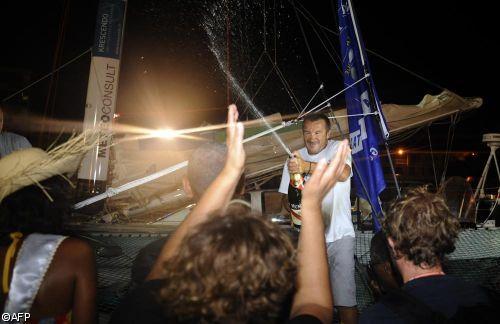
(296, 217)
(294, 199)
(298, 182)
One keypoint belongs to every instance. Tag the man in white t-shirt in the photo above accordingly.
(336, 209)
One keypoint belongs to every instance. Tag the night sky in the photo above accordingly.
(170, 78)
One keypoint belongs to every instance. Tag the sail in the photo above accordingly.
(361, 102)
(265, 158)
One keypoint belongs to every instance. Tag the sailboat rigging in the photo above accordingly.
(265, 157)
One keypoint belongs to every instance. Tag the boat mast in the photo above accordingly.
(102, 93)
(369, 80)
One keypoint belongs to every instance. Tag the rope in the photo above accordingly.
(337, 124)
(275, 33)
(228, 54)
(318, 78)
(380, 56)
(418, 76)
(354, 115)
(270, 130)
(47, 75)
(358, 40)
(288, 89)
(334, 14)
(335, 95)
(249, 77)
(327, 50)
(312, 98)
(310, 18)
(324, 27)
(449, 143)
(264, 27)
(281, 77)
(261, 85)
(305, 39)
(49, 103)
(432, 156)
(394, 139)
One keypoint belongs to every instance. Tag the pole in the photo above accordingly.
(383, 128)
(102, 94)
(355, 168)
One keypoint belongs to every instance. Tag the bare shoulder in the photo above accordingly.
(71, 271)
(73, 249)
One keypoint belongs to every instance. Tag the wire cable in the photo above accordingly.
(47, 75)
(432, 156)
(335, 95)
(449, 143)
(288, 89)
(312, 20)
(312, 98)
(380, 56)
(305, 38)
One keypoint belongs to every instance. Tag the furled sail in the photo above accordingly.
(265, 158)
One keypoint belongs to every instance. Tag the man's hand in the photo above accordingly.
(235, 161)
(297, 164)
(325, 176)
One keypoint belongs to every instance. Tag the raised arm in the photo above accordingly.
(218, 194)
(313, 295)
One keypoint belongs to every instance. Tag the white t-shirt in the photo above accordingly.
(336, 206)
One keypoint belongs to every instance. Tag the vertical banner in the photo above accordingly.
(103, 84)
(364, 129)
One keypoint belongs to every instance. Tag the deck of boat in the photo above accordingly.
(476, 258)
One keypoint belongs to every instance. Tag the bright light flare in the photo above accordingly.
(164, 133)
(401, 152)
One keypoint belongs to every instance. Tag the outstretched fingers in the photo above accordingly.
(234, 140)
(232, 118)
(234, 128)
(337, 165)
(325, 176)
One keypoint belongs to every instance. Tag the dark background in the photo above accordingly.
(169, 77)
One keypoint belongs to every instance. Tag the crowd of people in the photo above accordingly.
(226, 264)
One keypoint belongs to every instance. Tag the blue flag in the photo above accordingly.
(364, 130)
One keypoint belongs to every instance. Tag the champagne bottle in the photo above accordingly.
(294, 199)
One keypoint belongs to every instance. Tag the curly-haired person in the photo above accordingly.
(229, 267)
(420, 231)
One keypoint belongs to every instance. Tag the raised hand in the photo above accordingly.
(217, 195)
(325, 176)
(235, 161)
